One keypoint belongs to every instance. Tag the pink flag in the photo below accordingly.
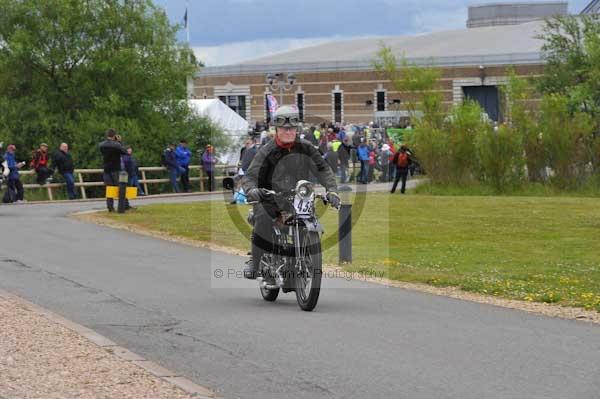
(272, 102)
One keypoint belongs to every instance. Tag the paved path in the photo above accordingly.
(363, 341)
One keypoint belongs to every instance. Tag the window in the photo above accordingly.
(337, 107)
(381, 101)
(300, 105)
(236, 103)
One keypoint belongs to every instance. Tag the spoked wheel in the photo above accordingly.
(269, 295)
(308, 279)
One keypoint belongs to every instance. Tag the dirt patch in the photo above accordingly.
(550, 310)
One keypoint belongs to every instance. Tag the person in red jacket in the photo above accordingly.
(40, 163)
(402, 161)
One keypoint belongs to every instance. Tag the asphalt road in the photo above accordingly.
(362, 341)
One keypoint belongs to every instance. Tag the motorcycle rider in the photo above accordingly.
(278, 166)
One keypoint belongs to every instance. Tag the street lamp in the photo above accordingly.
(482, 74)
(282, 82)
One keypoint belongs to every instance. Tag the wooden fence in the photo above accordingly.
(83, 182)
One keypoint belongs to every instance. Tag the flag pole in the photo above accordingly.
(190, 80)
(187, 21)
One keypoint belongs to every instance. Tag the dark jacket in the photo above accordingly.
(279, 169)
(332, 159)
(63, 162)
(170, 159)
(344, 154)
(111, 152)
(130, 164)
(248, 156)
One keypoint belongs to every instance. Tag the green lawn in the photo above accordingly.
(528, 248)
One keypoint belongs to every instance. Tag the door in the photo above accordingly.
(487, 97)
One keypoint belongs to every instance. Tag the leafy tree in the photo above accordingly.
(501, 157)
(566, 139)
(417, 83)
(463, 125)
(69, 69)
(572, 54)
(522, 116)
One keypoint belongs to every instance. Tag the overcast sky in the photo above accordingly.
(229, 31)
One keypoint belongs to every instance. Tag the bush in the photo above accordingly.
(432, 148)
(566, 139)
(501, 157)
(464, 124)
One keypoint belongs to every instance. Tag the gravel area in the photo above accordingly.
(42, 359)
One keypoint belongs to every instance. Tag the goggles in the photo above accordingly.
(286, 121)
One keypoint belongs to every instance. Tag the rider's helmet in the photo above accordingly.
(287, 116)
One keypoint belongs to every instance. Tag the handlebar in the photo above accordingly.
(290, 193)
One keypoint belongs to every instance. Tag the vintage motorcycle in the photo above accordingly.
(295, 264)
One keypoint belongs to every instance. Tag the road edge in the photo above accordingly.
(156, 370)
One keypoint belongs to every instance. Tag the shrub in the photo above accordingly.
(501, 158)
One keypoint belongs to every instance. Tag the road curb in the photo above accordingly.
(171, 377)
(103, 200)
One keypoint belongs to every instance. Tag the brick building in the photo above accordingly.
(337, 81)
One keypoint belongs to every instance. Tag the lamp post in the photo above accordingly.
(282, 82)
(345, 226)
(482, 74)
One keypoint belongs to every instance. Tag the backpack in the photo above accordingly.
(403, 160)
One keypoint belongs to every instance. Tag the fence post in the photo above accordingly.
(50, 197)
(145, 183)
(201, 180)
(83, 194)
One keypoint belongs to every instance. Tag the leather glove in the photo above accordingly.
(334, 199)
(259, 194)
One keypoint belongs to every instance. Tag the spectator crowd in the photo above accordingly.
(359, 154)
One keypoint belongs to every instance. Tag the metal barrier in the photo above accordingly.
(82, 183)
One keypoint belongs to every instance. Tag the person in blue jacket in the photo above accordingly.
(363, 157)
(14, 182)
(169, 161)
(184, 156)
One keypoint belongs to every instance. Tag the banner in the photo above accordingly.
(272, 103)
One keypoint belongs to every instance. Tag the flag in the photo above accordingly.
(272, 102)
(185, 19)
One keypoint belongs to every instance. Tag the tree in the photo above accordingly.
(69, 69)
(567, 139)
(417, 84)
(572, 54)
(522, 115)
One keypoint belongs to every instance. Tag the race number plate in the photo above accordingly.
(303, 206)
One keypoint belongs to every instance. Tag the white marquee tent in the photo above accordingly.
(232, 124)
(222, 115)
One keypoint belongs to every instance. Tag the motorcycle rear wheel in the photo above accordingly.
(308, 285)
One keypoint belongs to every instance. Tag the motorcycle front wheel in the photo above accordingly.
(308, 280)
(269, 295)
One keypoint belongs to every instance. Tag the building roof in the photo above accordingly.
(496, 45)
